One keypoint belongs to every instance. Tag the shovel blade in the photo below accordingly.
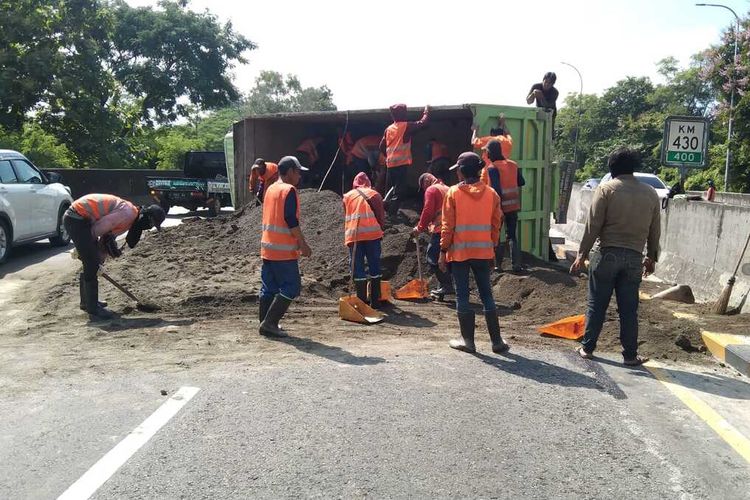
(571, 327)
(415, 289)
(385, 291)
(353, 309)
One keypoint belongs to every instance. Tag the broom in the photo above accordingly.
(721, 305)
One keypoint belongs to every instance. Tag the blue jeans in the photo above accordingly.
(280, 277)
(433, 250)
(619, 270)
(481, 269)
(370, 251)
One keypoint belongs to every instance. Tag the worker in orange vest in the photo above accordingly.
(396, 146)
(499, 133)
(262, 174)
(438, 160)
(470, 231)
(282, 243)
(93, 222)
(430, 221)
(506, 179)
(360, 153)
(308, 154)
(363, 233)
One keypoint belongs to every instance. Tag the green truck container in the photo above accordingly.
(273, 136)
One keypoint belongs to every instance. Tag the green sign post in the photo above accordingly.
(685, 142)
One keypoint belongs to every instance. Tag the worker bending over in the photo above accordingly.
(471, 228)
(308, 154)
(438, 160)
(431, 222)
(93, 222)
(360, 153)
(262, 174)
(505, 178)
(396, 146)
(363, 233)
(281, 245)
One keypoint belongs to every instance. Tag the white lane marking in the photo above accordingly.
(102, 470)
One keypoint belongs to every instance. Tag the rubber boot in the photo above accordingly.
(466, 342)
(81, 288)
(499, 255)
(264, 304)
(493, 326)
(270, 324)
(375, 293)
(361, 288)
(91, 292)
(515, 255)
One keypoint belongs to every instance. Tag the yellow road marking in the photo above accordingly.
(727, 431)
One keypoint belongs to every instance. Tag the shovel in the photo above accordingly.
(351, 308)
(141, 306)
(415, 289)
(567, 328)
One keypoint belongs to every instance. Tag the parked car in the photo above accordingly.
(661, 189)
(590, 183)
(32, 204)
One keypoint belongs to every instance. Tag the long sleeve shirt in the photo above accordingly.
(411, 129)
(449, 216)
(432, 204)
(116, 222)
(290, 209)
(624, 213)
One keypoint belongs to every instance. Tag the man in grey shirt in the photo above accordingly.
(624, 217)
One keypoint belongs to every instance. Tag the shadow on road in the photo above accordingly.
(27, 255)
(332, 353)
(399, 317)
(119, 324)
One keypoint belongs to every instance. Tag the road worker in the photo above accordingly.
(470, 231)
(500, 134)
(281, 245)
(93, 222)
(360, 153)
(363, 233)
(396, 146)
(308, 153)
(431, 222)
(506, 179)
(438, 160)
(262, 174)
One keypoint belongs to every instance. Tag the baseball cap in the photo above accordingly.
(156, 214)
(468, 159)
(289, 162)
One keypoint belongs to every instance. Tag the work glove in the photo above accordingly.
(110, 246)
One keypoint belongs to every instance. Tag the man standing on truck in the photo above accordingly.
(282, 243)
(363, 232)
(624, 217)
(431, 222)
(93, 222)
(396, 146)
(505, 178)
(438, 160)
(545, 94)
(262, 174)
(469, 234)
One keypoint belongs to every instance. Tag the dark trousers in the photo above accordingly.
(396, 177)
(619, 270)
(511, 237)
(79, 230)
(432, 255)
(369, 251)
(481, 269)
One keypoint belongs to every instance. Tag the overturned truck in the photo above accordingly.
(273, 136)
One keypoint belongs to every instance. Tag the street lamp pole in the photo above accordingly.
(731, 98)
(580, 103)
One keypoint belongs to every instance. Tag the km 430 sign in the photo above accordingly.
(685, 142)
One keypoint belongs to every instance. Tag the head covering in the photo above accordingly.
(398, 112)
(711, 183)
(426, 180)
(361, 180)
(468, 159)
(260, 161)
(290, 162)
(148, 217)
(156, 214)
(494, 151)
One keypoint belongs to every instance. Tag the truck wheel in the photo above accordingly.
(5, 241)
(63, 238)
(214, 207)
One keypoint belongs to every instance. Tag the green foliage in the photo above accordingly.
(42, 148)
(273, 93)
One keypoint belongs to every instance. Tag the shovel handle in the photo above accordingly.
(119, 286)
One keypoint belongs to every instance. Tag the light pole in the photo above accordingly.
(578, 121)
(731, 98)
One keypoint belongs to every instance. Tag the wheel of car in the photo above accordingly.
(5, 241)
(63, 238)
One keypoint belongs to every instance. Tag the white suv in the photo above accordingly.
(31, 204)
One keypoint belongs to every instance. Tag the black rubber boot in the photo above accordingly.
(466, 342)
(375, 293)
(499, 255)
(264, 304)
(361, 288)
(81, 288)
(493, 326)
(270, 324)
(91, 293)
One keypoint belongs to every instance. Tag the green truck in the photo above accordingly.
(205, 184)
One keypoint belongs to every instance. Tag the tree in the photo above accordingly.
(273, 93)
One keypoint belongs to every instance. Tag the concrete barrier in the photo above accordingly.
(700, 243)
(125, 183)
(738, 199)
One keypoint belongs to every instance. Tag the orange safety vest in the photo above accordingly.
(95, 206)
(397, 151)
(472, 234)
(439, 150)
(277, 241)
(506, 146)
(365, 145)
(360, 223)
(271, 176)
(310, 149)
(510, 192)
(437, 222)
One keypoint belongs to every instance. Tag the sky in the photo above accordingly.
(374, 54)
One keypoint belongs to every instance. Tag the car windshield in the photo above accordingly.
(654, 182)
